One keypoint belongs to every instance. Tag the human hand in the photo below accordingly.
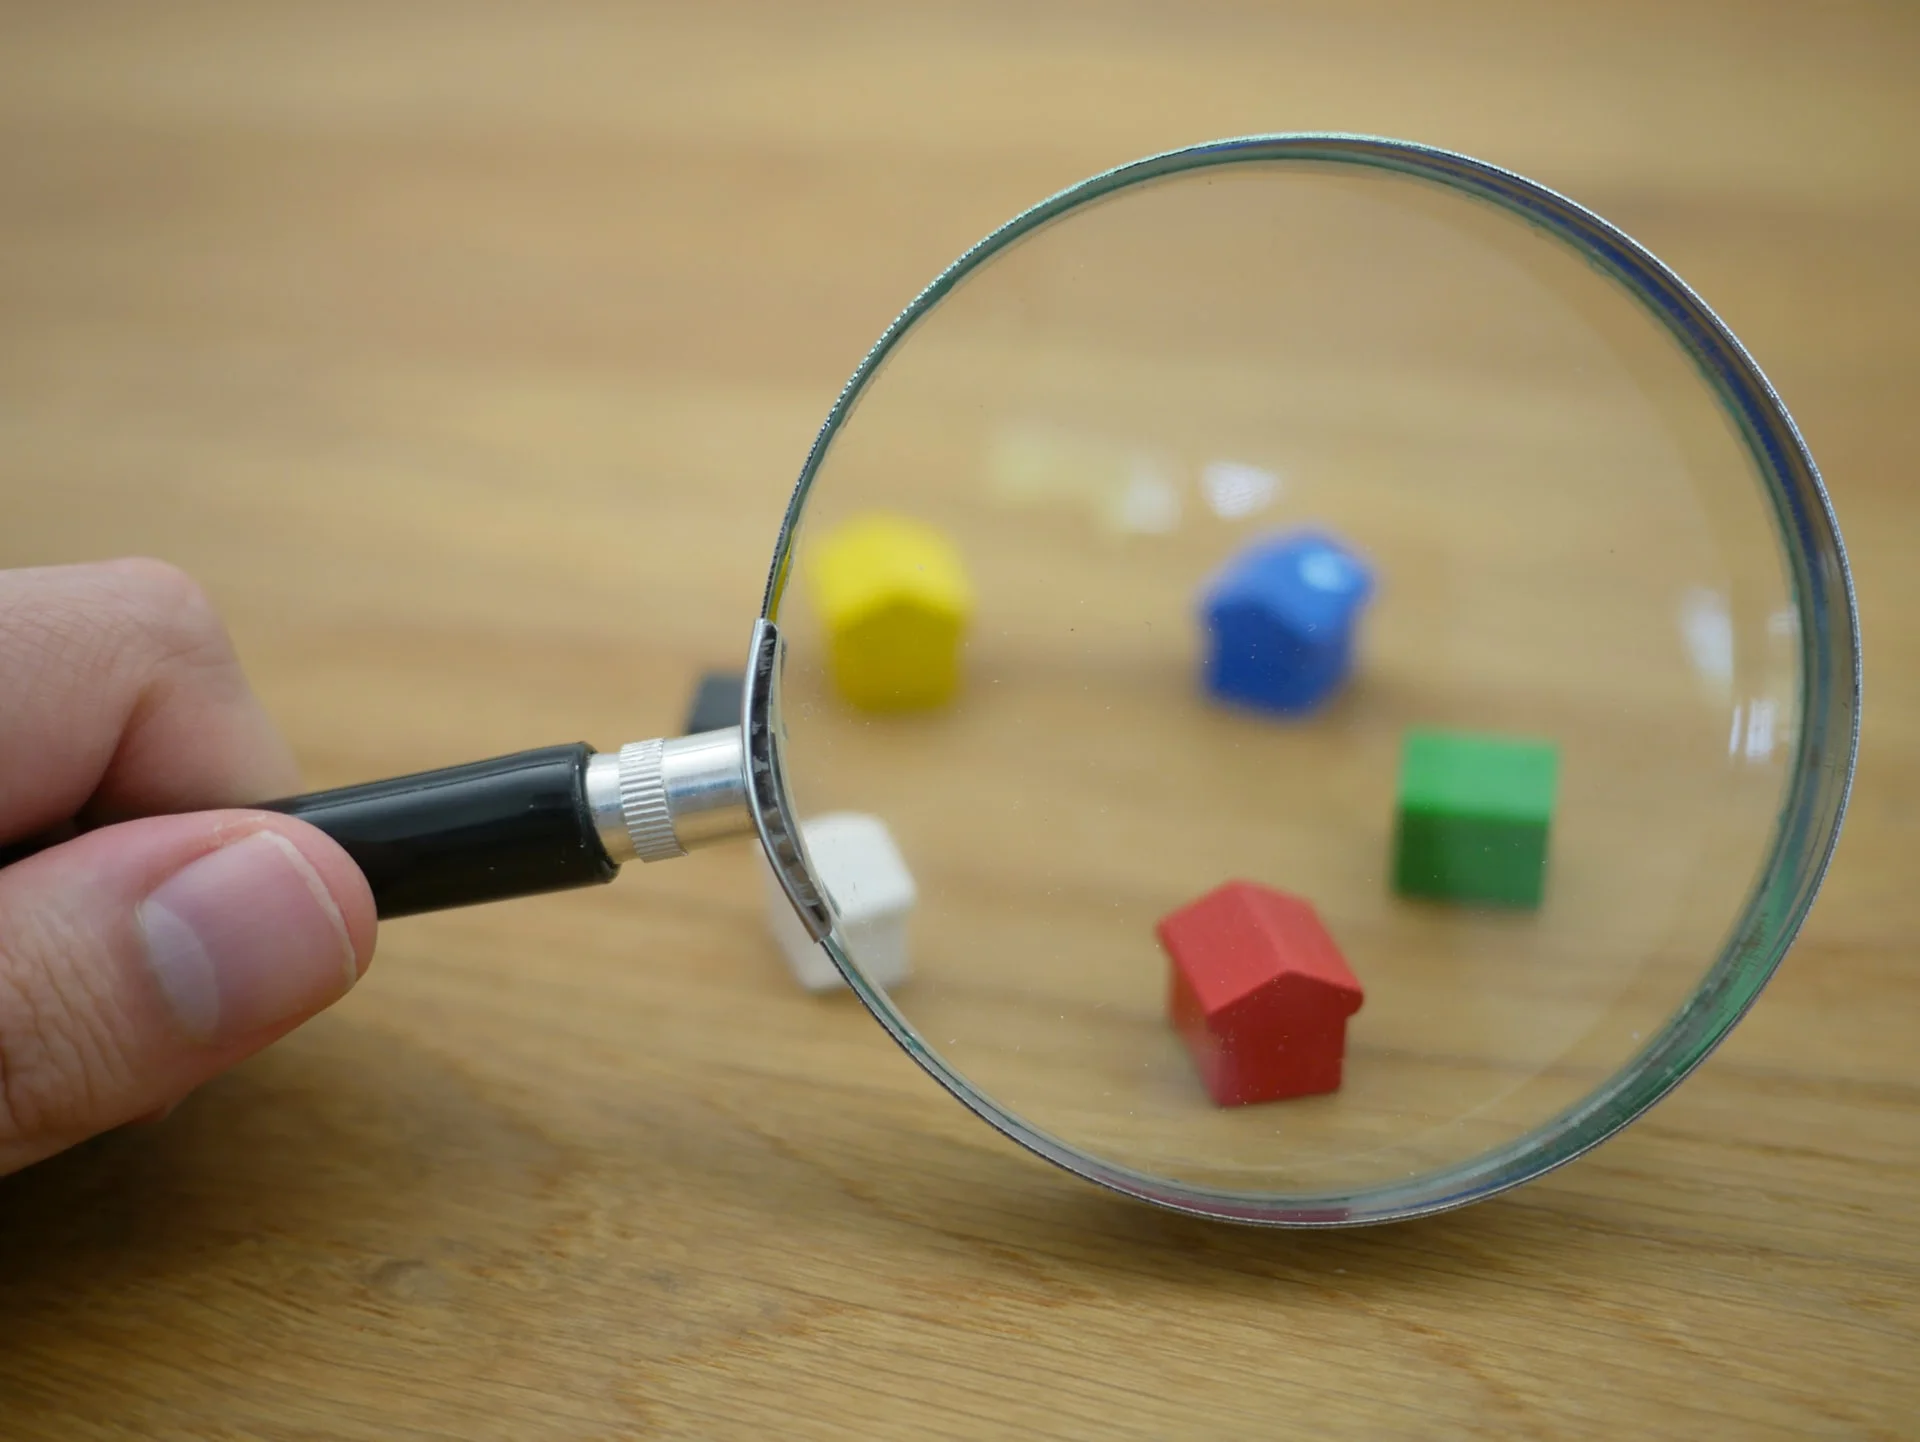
(141, 957)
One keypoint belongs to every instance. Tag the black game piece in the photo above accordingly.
(716, 702)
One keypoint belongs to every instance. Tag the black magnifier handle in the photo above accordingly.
(513, 826)
(537, 821)
(546, 820)
(564, 816)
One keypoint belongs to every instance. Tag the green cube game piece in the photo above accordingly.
(1474, 814)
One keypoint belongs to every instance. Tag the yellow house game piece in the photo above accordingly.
(895, 600)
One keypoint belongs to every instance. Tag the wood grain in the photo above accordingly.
(387, 319)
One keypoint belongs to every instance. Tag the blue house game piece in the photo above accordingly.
(1280, 620)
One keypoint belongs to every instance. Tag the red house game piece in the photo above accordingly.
(1259, 993)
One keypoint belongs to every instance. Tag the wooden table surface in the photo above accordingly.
(420, 331)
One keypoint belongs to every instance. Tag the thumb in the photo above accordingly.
(139, 960)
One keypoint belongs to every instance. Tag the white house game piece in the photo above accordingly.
(855, 858)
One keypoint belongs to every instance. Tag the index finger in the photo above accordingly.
(121, 695)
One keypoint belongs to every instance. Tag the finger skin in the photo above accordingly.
(89, 1038)
(121, 695)
(139, 959)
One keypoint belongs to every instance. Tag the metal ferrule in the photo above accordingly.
(655, 799)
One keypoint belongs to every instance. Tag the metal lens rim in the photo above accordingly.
(1825, 754)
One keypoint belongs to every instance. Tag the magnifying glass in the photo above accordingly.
(1353, 661)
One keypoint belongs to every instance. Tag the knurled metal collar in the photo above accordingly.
(643, 802)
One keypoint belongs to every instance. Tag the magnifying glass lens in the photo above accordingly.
(1323, 526)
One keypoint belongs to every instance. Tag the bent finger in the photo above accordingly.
(121, 695)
